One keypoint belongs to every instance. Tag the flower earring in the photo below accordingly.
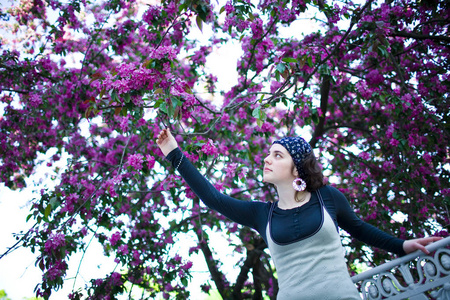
(299, 184)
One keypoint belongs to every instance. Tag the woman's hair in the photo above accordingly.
(314, 175)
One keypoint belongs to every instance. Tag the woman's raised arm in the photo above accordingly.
(248, 213)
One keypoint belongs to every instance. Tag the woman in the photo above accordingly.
(301, 228)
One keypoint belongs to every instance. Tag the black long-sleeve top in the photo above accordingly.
(290, 225)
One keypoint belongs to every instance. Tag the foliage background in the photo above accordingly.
(90, 84)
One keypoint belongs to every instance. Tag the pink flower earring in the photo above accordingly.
(299, 184)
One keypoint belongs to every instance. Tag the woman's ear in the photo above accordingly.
(294, 171)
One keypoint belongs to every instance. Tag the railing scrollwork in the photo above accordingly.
(416, 276)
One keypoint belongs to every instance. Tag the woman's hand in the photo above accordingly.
(419, 244)
(166, 141)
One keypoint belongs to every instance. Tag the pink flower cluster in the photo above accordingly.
(114, 238)
(209, 148)
(167, 52)
(54, 242)
(56, 270)
(135, 161)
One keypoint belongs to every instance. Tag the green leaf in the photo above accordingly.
(47, 211)
(315, 116)
(290, 60)
(127, 97)
(277, 75)
(182, 7)
(260, 116)
(54, 202)
(309, 61)
(29, 217)
(281, 67)
(114, 96)
(255, 112)
(124, 111)
(199, 23)
(184, 281)
(163, 107)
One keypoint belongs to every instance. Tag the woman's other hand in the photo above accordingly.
(166, 141)
(419, 244)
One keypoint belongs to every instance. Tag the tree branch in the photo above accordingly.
(250, 262)
(354, 20)
(217, 276)
(418, 36)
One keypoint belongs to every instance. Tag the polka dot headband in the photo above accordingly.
(299, 149)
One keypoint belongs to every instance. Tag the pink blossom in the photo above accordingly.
(98, 281)
(116, 279)
(141, 122)
(56, 270)
(388, 165)
(374, 78)
(123, 249)
(243, 173)
(242, 25)
(267, 127)
(363, 89)
(394, 142)
(359, 179)
(54, 242)
(123, 123)
(150, 161)
(164, 52)
(135, 161)
(270, 292)
(153, 12)
(364, 155)
(424, 210)
(231, 169)
(274, 86)
(70, 201)
(84, 231)
(187, 266)
(229, 7)
(35, 100)
(209, 148)
(125, 70)
(373, 202)
(114, 238)
(257, 28)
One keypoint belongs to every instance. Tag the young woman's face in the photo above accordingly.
(278, 166)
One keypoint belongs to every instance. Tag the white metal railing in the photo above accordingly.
(415, 276)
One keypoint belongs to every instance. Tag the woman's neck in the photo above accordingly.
(287, 197)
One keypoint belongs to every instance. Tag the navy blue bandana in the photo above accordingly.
(299, 149)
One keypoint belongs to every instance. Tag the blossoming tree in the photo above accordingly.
(368, 83)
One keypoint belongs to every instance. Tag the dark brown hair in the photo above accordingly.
(314, 175)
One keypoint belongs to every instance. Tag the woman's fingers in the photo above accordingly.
(419, 244)
(162, 136)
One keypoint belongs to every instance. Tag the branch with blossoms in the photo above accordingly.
(354, 20)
